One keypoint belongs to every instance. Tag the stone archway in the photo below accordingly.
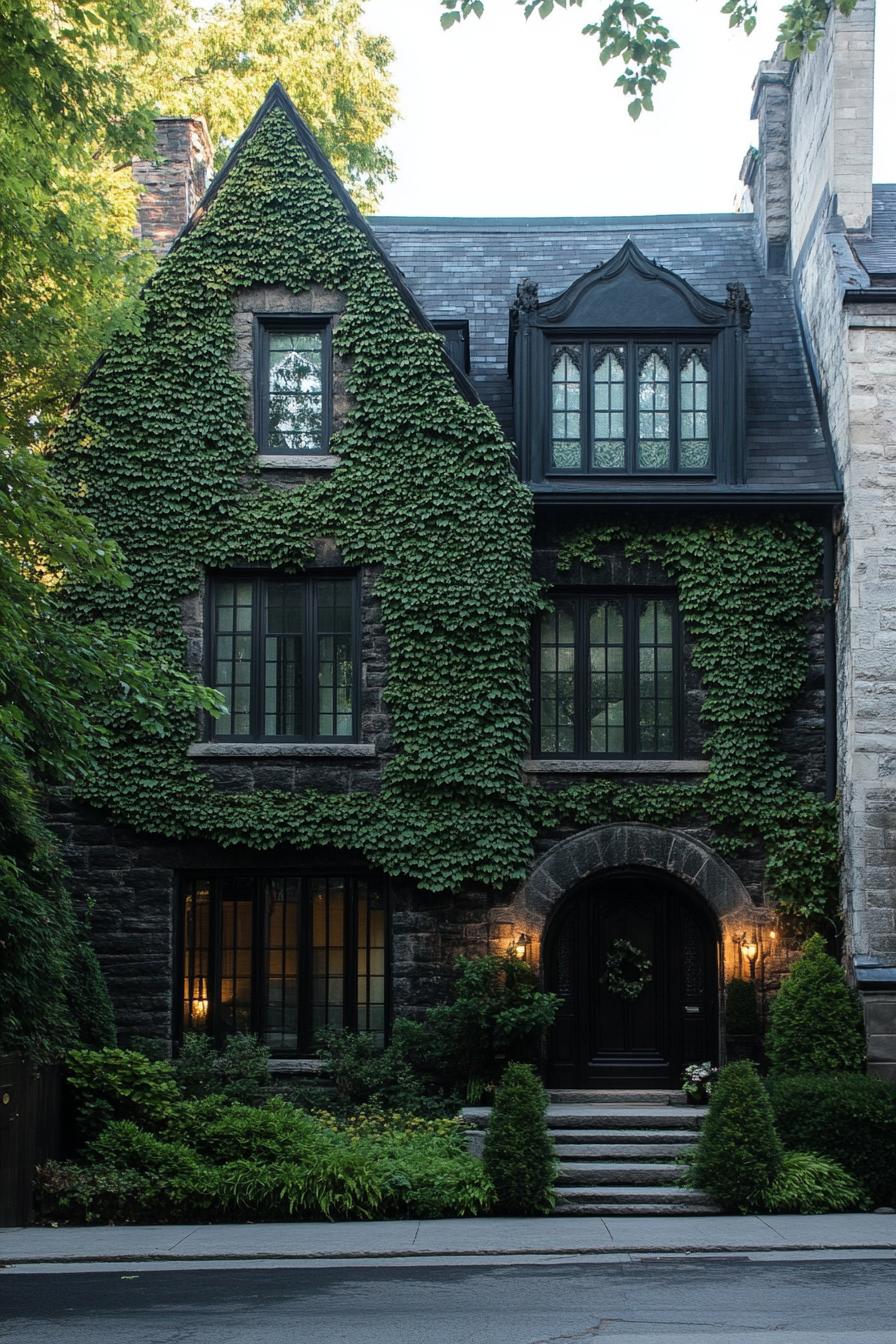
(615, 846)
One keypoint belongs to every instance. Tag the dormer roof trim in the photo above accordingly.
(706, 312)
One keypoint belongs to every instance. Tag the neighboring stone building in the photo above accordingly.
(819, 218)
(286, 451)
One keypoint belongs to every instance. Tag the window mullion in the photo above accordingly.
(213, 989)
(632, 677)
(350, 956)
(587, 426)
(675, 406)
(631, 404)
(311, 692)
(582, 701)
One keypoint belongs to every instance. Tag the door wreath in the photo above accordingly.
(628, 971)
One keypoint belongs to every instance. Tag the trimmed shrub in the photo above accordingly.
(113, 1084)
(519, 1153)
(741, 1011)
(739, 1153)
(808, 1183)
(815, 1023)
(848, 1117)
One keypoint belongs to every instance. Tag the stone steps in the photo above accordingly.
(586, 1174)
(617, 1097)
(681, 1137)
(632, 1201)
(588, 1150)
(618, 1152)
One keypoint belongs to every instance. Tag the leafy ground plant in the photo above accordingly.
(808, 1183)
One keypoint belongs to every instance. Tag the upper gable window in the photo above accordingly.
(630, 406)
(293, 386)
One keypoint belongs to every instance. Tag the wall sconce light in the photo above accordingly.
(749, 949)
(520, 948)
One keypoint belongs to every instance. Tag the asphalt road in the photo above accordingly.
(788, 1302)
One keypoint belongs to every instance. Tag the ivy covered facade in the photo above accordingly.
(508, 548)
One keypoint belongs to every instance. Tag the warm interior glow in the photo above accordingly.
(199, 1003)
(749, 950)
(521, 946)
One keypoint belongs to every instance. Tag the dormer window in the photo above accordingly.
(644, 406)
(293, 386)
(628, 378)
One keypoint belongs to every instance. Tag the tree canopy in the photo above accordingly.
(631, 31)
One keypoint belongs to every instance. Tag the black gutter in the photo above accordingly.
(854, 296)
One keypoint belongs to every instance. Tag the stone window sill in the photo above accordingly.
(305, 750)
(302, 1067)
(313, 462)
(636, 766)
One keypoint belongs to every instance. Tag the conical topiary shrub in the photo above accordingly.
(739, 1155)
(519, 1152)
(815, 1023)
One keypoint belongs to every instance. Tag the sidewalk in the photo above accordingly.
(502, 1238)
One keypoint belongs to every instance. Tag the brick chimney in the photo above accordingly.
(173, 187)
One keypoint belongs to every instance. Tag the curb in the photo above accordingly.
(434, 1253)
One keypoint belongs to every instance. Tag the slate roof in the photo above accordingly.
(877, 253)
(469, 268)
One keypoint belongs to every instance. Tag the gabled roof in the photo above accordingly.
(278, 99)
(470, 268)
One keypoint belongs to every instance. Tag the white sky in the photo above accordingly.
(501, 116)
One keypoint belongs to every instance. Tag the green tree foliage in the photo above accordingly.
(78, 90)
(219, 61)
(739, 1154)
(79, 87)
(55, 672)
(631, 31)
(815, 1022)
(519, 1151)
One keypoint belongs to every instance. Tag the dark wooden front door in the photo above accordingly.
(604, 1038)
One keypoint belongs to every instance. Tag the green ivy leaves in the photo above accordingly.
(159, 452)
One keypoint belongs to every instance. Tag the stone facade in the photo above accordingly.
(130, 882)
(851, 346)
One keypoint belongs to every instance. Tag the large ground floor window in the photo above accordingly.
(283, 956)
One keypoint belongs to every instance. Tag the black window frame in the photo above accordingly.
(377, 888)
(258, 579)
(629, 601)
(263, 325)
(678, 344)
(455, 333)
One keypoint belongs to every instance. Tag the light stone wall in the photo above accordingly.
(853, 352)
(832, 101)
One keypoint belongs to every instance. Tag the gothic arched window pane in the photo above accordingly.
(654, 442)
(694, 385)
(608, 446)
(566, 407)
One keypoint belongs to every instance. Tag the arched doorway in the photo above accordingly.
(634, 957)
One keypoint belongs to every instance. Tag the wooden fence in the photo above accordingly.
(31, 1130)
